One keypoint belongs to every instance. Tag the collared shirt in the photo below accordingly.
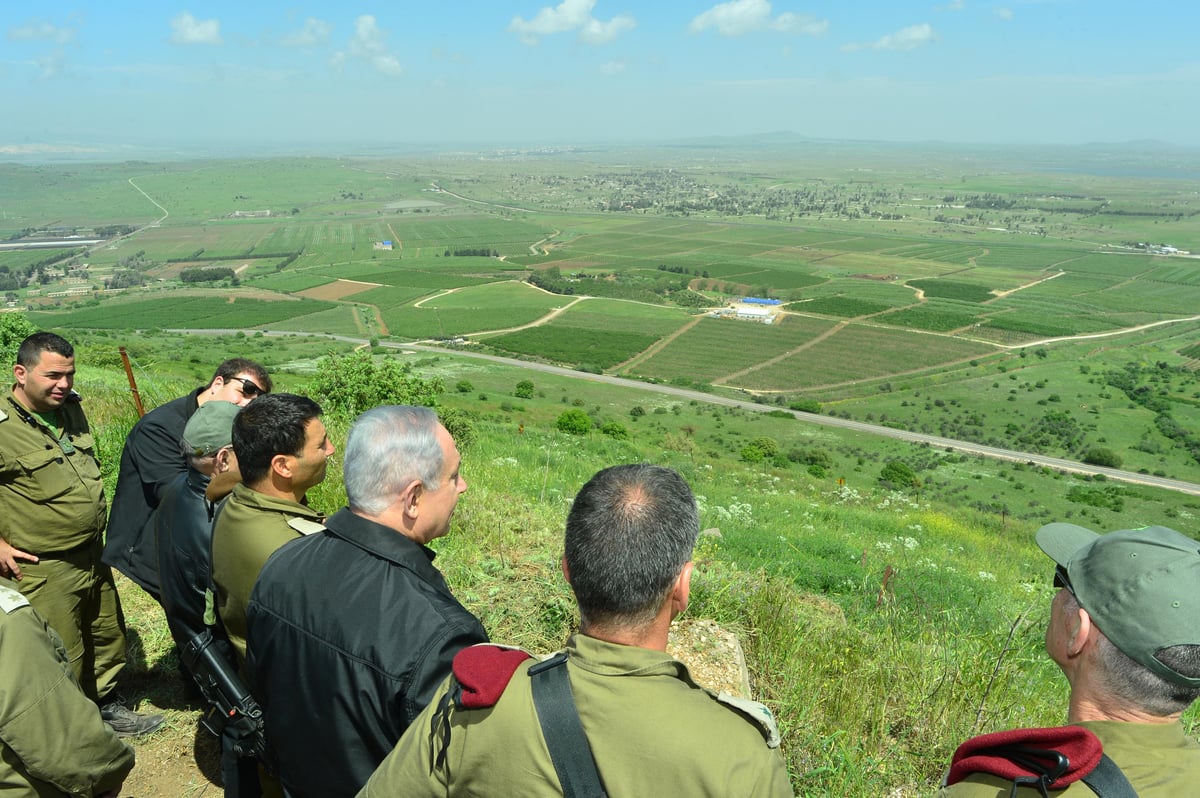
(51, 499)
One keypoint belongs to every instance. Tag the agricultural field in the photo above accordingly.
(713, 349)
(598, 333)
(181, 312)
(782, 230)
(860, 352)
(470, 310)
(934, 316)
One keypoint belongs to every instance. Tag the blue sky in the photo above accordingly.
(521, 72)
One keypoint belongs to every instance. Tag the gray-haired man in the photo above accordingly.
(356, 620)
(1125, 631)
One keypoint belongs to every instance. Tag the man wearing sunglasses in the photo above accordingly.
(152, 459)
(1125, 631)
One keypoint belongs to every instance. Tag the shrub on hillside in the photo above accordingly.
(574, 422)
(614, 429)
(346, 385)
(898, 474)
(1100, 456)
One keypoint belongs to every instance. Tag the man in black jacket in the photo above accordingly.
(354, 626)
(152, 459)
(183, 522)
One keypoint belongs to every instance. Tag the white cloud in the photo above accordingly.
(1005, 14)
(186, 29)
(909, 38)
(42, 31)
(612, 68)
(314, 32)
(368, 45)
(567, 16)
(739, 17)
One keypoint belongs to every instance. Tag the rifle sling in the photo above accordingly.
(564, 735)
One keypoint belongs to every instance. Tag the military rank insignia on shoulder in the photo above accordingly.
(756, 713)
(11, 599)
(483, 671)
(305, 526)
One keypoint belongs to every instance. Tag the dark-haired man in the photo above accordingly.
(152, 459)
(282, 448)
(52, 515)
(651, 730)
(1125, 631)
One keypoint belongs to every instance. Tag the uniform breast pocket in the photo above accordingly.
(84, 458)
(43, 478)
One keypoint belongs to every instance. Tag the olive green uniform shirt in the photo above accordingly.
(52, 740)
(652, 730)
(1157, 758)
(248, 530)
(51, 495)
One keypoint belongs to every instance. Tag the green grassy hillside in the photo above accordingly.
(881, 627)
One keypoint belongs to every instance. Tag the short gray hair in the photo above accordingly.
(389, 447)
(1135, 684)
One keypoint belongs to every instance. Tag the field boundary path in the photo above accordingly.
(995, 452)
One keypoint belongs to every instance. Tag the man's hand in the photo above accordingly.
(8, 560)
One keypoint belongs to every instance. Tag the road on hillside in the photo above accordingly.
(811, 418)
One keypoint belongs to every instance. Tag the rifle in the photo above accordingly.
(232, 710)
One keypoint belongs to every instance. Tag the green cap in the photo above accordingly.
(1140, 586)
(210, 428)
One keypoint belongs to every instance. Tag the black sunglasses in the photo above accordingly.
(249, 389)
(1061, 580)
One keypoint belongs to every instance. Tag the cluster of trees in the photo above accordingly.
(473, 252)
(208, 275)
(662, 267)
(620, 285)
(346, 385)
(114, 230)
(128, 271)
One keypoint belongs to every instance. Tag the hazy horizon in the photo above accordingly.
(137, 77)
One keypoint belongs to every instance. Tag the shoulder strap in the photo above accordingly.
(1108, 780)
(568, 744)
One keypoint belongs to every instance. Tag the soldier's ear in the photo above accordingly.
(1081, 631)
(281, 464)
(681, 590)
(565, 570)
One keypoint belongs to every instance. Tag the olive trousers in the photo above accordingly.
(76, 595)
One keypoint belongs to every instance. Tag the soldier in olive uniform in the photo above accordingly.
(651, 729)
(52, 740)
(282, 448)
(1125, 631)
(52, 517)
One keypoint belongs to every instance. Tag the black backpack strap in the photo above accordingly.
(568, 744)
(1108, 781)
